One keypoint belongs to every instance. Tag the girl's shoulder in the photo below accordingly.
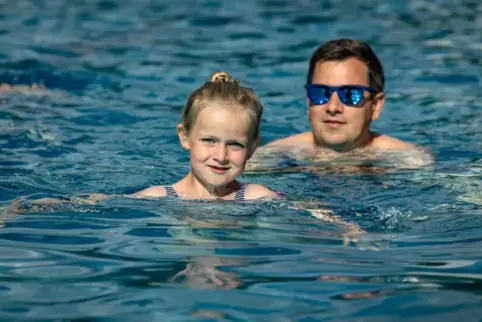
(257, 191)
(154, 191)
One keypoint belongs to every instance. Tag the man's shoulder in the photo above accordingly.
(409, 155)
(386, 142)
(379, 142)
(305, 137)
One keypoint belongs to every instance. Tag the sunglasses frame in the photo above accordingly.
(331, 89)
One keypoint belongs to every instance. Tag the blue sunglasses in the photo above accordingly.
(351, 95)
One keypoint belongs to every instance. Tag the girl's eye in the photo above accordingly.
(208, 140)
(236, 145)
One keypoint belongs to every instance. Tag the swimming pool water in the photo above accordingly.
(119, 73)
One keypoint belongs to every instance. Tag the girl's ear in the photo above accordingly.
(182, 134)
(258, 142)
(253, 147)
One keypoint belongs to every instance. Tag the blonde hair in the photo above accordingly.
(221, 87)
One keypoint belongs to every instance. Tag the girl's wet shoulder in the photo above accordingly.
(257, 191)
(154, 191)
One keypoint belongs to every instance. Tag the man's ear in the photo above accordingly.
(182, 134)
(378, 103)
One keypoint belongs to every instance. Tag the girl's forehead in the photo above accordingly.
(219, 113)
(223, 122)
(223, 105)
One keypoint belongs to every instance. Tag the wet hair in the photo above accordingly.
(343, 49)
(222, 88)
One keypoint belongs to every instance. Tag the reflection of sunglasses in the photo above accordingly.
(351, 95)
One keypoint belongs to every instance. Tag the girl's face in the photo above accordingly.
(219, 144)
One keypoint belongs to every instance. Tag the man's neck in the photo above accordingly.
(362, 142)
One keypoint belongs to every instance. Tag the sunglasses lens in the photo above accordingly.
(318, 95)
(351, 95)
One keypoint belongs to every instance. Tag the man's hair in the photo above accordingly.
(343, 49)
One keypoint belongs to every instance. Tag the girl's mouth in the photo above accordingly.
(219, 170)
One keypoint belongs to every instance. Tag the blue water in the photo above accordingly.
(118, 74)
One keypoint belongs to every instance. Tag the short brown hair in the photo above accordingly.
(342, 49)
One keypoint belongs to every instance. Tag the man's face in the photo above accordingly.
(338, 126)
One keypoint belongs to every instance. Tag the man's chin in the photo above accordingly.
(334, 143)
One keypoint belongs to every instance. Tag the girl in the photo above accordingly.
(220, 127)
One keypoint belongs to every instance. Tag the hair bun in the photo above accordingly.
(221, 77)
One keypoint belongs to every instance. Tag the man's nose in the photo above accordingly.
(334, 105)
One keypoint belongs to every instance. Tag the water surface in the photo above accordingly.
(121, 72)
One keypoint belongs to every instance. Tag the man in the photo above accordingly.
(345, 93)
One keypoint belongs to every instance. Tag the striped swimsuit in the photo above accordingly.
(238, 196)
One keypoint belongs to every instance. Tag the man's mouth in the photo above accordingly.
(333, 123)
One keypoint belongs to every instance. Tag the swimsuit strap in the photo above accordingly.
(240, 192)
(238, 196)
(170, 191)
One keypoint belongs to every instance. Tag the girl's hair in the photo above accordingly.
(222, 88)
